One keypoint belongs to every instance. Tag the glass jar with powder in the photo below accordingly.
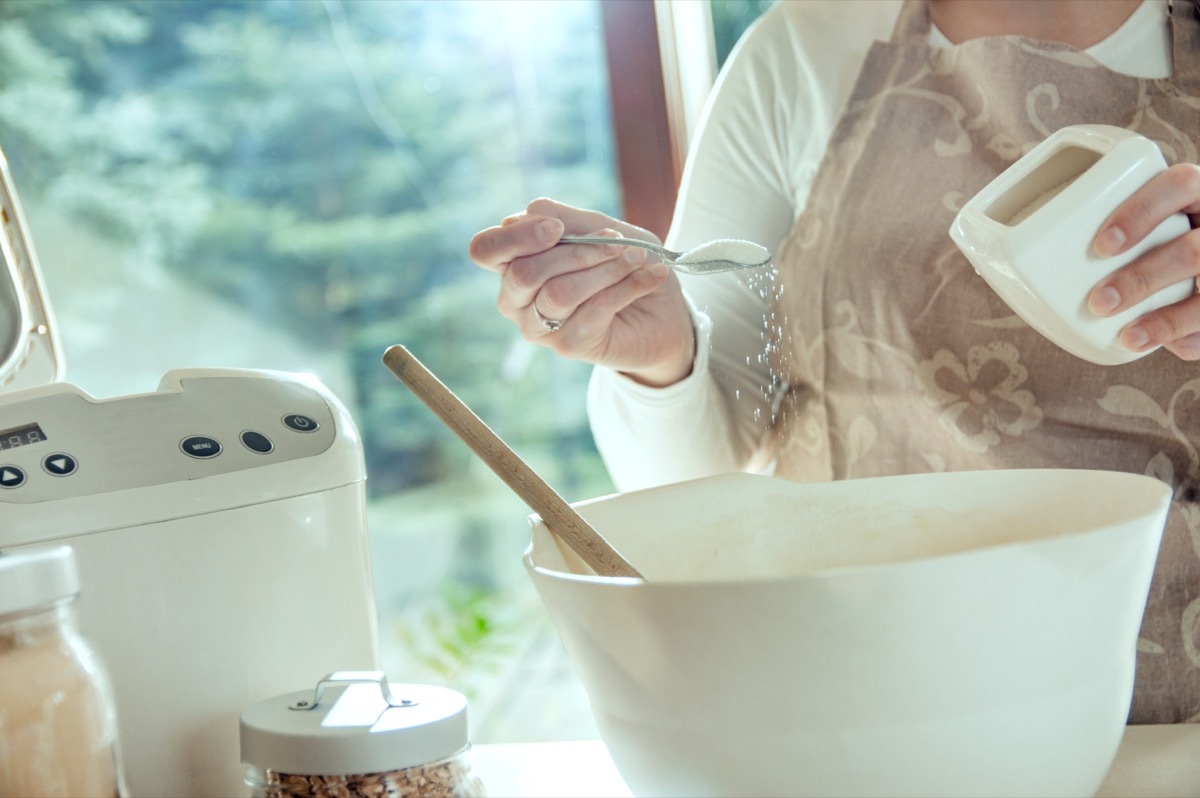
(57, 723)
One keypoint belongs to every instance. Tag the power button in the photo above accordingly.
(300, 423)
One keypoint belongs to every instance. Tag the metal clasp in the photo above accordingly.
(354, 677)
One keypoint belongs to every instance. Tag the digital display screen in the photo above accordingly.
(26, 435)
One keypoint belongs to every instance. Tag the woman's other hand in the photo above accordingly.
(1175, 327)
(608, 305)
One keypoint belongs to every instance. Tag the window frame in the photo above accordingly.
(659, 81)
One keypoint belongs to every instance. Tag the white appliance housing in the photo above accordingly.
(219, 525)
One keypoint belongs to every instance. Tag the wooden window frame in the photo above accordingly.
(657, 87)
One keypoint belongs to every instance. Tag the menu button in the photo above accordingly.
(200, 446)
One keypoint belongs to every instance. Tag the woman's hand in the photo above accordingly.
(1175, 327)
(607, 305)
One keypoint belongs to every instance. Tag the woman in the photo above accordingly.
(845, 139)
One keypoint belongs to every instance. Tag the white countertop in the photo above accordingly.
(1156, 762)
(1152, 762)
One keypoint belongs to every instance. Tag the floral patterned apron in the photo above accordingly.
(898, 358)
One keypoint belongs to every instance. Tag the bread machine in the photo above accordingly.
(218, 522)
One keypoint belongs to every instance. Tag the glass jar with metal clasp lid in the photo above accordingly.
(356, 736)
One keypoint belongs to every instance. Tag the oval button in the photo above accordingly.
(257, 442)
(200, 446)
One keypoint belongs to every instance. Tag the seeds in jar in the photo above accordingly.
(450, 779)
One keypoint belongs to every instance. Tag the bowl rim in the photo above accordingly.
(864, 569)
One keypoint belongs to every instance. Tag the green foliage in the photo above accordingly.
(731, 18)
(322, 165)
(462, 636)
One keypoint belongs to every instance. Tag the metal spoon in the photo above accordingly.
(694, 261)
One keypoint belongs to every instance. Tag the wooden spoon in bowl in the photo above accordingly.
(560, 517)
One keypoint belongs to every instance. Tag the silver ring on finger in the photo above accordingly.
(549, 325)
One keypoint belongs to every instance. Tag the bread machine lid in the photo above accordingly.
(30, 350)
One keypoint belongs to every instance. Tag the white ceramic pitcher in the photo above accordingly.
(1029, 235)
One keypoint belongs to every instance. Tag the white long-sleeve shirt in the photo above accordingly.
(748, 175)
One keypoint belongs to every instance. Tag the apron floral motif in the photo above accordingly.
(898, 358)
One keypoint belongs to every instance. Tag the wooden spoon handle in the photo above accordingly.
(560, 517)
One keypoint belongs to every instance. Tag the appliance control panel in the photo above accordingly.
(61, 443)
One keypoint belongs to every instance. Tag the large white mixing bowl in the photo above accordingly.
(939, 634)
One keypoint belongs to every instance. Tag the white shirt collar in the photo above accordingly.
(1141, 47)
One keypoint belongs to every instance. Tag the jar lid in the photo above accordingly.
(37, 578)
(354, 722)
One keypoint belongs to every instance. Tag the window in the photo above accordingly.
(291, 185)
(663, 59)
(730, 18)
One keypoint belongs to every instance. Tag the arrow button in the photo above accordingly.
(11, 477)
(59, 464)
